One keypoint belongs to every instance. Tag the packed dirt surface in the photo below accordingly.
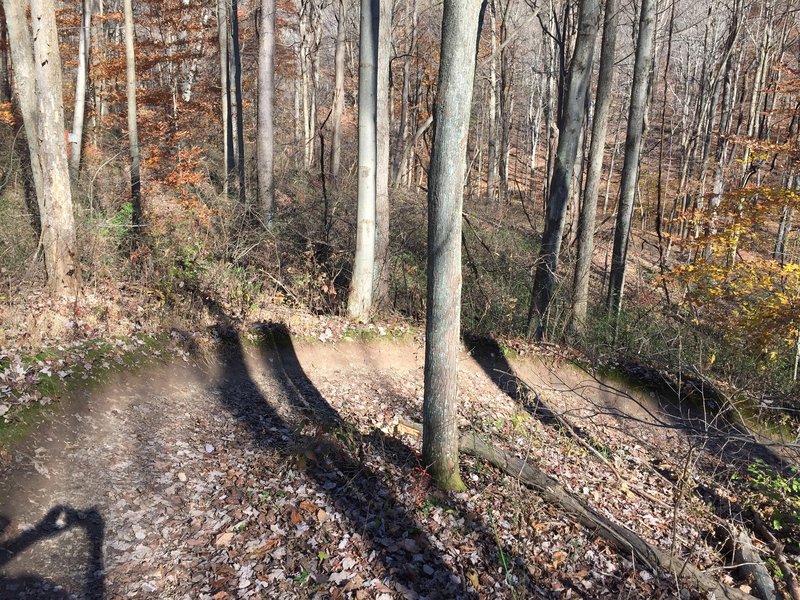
(278, 471)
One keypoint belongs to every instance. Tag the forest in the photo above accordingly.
(406, 299)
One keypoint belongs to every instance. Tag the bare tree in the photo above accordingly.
(445, 196)
(24, 83)
(338, 93)
(225, 91)
(382, 115)
(361, 287)
(55, 204)
(605, 82)
(633, 145)
(76, 136)
(237, 85)
(266, 58)
(133, 128)
(570, 126)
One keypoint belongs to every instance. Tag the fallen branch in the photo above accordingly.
(623, 539)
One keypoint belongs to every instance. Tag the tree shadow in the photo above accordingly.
(492, 360)
(356, 491)
(57, 521)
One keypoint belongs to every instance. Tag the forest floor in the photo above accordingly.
(278, 470)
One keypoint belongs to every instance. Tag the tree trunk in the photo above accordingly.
(5, 81)
(21, 46)
(237, 80)
(76, 137)
(381, 276)
(266, 57)
(225, 109)
(605, 82)
(360, 299)
(570, 126)
(338, 93)
(491, 157)
(133, 129)
(445, 196)
(55, 205)
(633, 144)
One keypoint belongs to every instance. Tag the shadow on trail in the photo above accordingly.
(493, 362)
(57, 521)
(401, 551)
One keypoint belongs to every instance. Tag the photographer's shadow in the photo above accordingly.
(57, 521)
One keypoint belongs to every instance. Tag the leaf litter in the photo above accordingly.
(198, 502)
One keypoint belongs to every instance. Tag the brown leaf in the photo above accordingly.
(295, 517)
(308, 506)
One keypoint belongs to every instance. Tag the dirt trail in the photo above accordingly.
(270, 474)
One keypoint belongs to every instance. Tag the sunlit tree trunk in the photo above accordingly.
(225, 109)
(55, 205)
(361, 288)
(382, 115)
(580, 72)
(133, 128)
(633, 145)
(21, 49)
(338, 93)
(491, 156)
(505, 97)
(445, 196)
(266, 57)
(605, 82)
(76, 137)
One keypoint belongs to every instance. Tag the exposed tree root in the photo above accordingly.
(624, 540)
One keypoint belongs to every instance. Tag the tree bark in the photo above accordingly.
(381, 276)
(225, 109)
(605, 82)
(633, 145)
(21, 46)
(76, 137)
(133, 128)
(338, 93)
(266, 71)
(237, 80)
(5, 81)
(55, 205)
(361, 287)
(570, 126)
(445, 196)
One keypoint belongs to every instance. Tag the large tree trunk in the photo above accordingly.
(572, 120)
(605, 82)
(381, 276)
(55, 205)
(338, 92)
(76, 137)
(445, 196)
(21, 45)
(133, 128)
(633, 145)
(361, 287)
(266, 57)
(237, 80)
